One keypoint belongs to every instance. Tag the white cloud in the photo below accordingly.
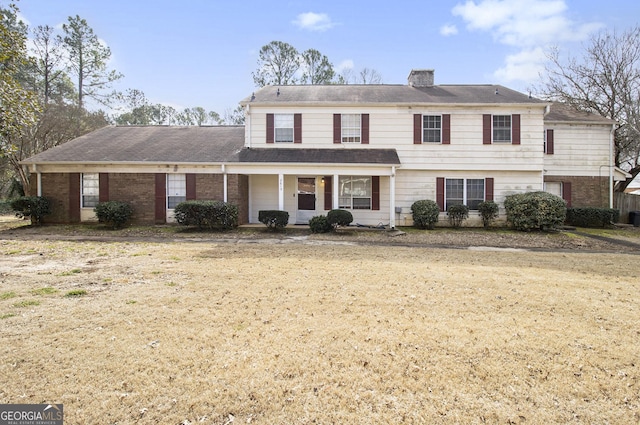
(447, 30)
(345, 64)
(531, 26)
(313, 21)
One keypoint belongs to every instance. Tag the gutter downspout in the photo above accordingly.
(247, 127)
(611, 138)
(392, 198)
(38, 180)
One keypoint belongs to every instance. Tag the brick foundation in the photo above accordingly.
(586, 191)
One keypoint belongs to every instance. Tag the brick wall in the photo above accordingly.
(239, 195)
(55, 187)
(137, 189)
(586, 191)
(209, 187)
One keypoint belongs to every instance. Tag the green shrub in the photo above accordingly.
(274, 219)
(425, 214)
(592, 217)
(207, 214)
(320, 224)
(339, 218)
(34, 207)
(457, 214)
(113, 213)
(535, 210)
(488, 211)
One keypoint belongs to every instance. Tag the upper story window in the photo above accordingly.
(176, 189)
(90, 189)
(283, 127)
(432, 129)
(502, 128)
(351, 128)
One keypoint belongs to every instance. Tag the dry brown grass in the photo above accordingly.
(272, 333)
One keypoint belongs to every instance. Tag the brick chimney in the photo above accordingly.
(421, 78)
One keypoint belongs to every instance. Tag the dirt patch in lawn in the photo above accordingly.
(189, 329)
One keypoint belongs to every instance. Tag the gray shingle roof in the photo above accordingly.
(562, 112)
(321, 156)
(388, 94)
(149, 144)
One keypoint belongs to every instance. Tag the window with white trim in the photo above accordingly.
(431, 129)
(283, 128)
(502, 128)
(351, 128)
(90, 188)
(355, 192)
(176, 189)
(469, 192)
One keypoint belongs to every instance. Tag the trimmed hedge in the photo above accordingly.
(339, 218)
(488, 211)
(425, 214)
(457, 214)
(274, 219)
(535, 210)
(34, 207)
(320, 224)
(113, 213)
(207, 214)
(592, 217)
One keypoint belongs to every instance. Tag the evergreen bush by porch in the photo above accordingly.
(535, 211)
(457, 214)
(339, 218)
(488, 211)
(592, 217)
(320, 224)
(274, 219)
(113, 213)
(207, 214)
(34, 207)
(425, 214)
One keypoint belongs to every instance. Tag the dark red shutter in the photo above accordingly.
(103, 184)
(337, 128)
(549, 147)
(365, 129)
(74, 197)
(297, 128)
(486, 129)
(328, 197)
(417, 129)
(375, 193)
(270, 130)
(488, 189)
(440, 192)
(161, 198)
(515, 129)
(446, 129)
(190, 181)
(566, 192)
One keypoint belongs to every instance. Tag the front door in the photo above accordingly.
(306, 199)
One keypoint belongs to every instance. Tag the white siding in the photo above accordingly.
(579, 150)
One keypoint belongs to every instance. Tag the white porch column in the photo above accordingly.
(225, 182)
(281, 192)
(334, 192)
(392, 198)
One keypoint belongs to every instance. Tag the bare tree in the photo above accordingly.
(364, 76)
(605, 80)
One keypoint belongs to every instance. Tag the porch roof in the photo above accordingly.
(319, 156)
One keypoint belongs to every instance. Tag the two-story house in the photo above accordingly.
(371, 149)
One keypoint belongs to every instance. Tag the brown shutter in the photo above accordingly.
(488, 189)
(74, 197)
(549, 147)
(446, 129)
(515, 129)
(190, 181)
(566, 192)
(297, 128)
(375, 193)
(328, 196)
(365, 129)
(440, 192)
(417, 129)
(337, 128)
(103, 184)
(270, 129)
(161, 198)
(486, 129)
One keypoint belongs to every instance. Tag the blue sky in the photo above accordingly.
(202, 52)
